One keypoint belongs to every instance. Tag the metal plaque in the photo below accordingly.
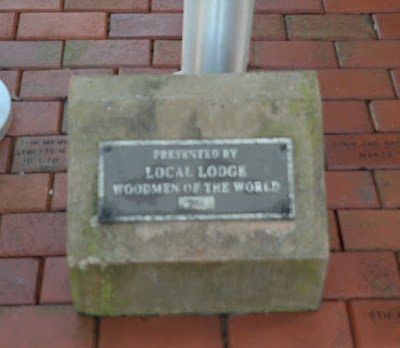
(196, 180)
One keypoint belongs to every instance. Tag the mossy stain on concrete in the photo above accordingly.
(107, 292)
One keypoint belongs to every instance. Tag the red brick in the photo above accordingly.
(29, 5)
(40, 154)
(169, 26)
(35, 118)
(355, 84)
(8, 24)
(372, 151)
(388, 25)
(369, 54)
(330, 27)
(52, 84)
(24, 193)
(334, 240)
(167, 6)
(292, 54)
(45, 327)
(107, 53)
(146, 71)
(346, 117)
(362, 275)
(288, 6)
(327, 327)
(361, 6)
(350, 190)
(149, 26)
(386, 115)
(5, 154)
(167, 54)
(396, 81)
(55, 287)
(62, 26)
(59, 200)
(167, 332)
(268, 27)
(10, 79)
(18, 282)
(388, 183)
(370, 229)
(376, 323)
(107, 5)
(30, 55)
(41, 234)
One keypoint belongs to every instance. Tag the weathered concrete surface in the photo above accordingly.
(206, 266)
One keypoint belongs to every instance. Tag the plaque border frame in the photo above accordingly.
(197, 217)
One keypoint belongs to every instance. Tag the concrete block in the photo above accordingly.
(209, 266)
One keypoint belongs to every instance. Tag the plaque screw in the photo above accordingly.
(106, 213)
(107, 148)
(283, 147)
(284, 210)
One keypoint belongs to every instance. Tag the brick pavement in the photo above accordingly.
(354, 45)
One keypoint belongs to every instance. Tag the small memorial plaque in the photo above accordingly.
(40, 153)
(196, 180)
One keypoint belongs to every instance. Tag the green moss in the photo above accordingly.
(107, 292)
(291, 309)
(312, 276)
(90, 247)
(102, 290)
(73, 52)
(93, 249)
(74, 281)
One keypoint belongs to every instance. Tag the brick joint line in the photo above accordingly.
(39, 279)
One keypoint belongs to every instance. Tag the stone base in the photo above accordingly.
(131, 268)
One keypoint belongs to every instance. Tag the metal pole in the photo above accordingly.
(216, 36)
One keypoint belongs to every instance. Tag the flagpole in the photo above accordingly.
(216, 36)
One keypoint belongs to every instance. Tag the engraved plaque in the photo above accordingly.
(38, 154)
(196, 180)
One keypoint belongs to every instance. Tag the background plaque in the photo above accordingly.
(196, 180)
